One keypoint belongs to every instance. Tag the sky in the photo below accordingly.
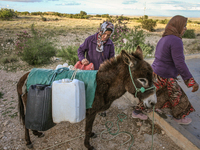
(187, 8)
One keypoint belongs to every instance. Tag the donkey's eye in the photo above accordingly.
(143, 81)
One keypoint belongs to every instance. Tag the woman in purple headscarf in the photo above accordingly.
(98, 47)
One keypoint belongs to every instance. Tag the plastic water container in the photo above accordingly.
(68, 100)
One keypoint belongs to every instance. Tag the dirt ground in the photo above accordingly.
(61, 136)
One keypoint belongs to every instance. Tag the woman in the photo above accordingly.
(168, 64)
(98, 47)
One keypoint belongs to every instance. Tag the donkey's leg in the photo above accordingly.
(36, 133)
(88, 129)
(27, 138)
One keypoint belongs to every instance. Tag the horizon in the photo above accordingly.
(162, 8)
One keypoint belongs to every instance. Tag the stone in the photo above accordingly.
(163, 132)
(6, 123)
(148, 138)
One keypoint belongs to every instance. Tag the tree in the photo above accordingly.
(83, 13)
(6, 14)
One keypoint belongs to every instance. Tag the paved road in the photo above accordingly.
(194, 127)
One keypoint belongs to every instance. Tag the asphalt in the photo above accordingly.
(186, 136)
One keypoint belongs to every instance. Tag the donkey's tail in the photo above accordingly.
(21, 109)
(20, 92)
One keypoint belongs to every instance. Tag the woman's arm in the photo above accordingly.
(82, 49)
(179, 59)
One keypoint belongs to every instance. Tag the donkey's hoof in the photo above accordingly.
(93, 135)
(30, 146)
(41, 135)
(103, 114)
(91, 148)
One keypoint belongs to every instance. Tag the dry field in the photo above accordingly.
(67, 32)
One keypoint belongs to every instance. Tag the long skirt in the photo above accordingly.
(171, 95)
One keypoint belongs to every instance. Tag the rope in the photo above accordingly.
(74, 74)
(58, 71)
(108, 130)
(152, 127)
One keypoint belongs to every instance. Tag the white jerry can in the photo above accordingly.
(68, 100)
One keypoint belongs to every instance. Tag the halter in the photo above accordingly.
(142, 89)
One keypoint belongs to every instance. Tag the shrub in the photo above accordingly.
(36, 49)
(189, 34)
(130, 40)
(82, 13)
(9, 59)
(148, 24)
(6, 14)
(105, 16)
(43, 18)
(69, 54)
(120, 30)
(165, 21)
(21, 40)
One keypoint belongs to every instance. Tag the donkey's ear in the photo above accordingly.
(139, 52)
(128, 59)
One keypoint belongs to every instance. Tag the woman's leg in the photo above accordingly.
(180, 103)
(170, 95)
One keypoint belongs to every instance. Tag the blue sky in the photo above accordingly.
(187, 8)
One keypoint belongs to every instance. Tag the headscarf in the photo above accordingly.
(106, 25)
(175, 26)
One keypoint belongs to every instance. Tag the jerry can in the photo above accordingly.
(68, 100)
(39, 108)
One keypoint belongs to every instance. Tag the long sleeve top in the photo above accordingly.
(169, 58)
(89, 48)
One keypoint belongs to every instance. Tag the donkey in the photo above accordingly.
(126, 72)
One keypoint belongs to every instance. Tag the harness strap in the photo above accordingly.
(142, 89)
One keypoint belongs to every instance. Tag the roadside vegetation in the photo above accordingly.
(36, 39)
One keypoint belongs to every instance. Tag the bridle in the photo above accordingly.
(142, 89)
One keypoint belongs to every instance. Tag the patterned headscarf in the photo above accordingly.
(106, 25)
(175, 26)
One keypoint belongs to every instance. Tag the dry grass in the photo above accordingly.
(66, 31)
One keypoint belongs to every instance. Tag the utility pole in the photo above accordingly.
(144, 8)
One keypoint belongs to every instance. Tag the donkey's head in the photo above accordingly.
(139, 81)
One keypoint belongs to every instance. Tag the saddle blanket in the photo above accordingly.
(47, 76)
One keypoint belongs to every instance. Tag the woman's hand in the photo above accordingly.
(85, 62)
(195, 87)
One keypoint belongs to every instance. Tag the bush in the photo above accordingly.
(189, 34)
(69, 54)
(43, 18)
(9, 59)
(148, 24)
(165, 21)
(105, 16)
(21, 40)
(83, 13)
(130, 40)
(120, 30)
(36, 49)
(6, 14)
